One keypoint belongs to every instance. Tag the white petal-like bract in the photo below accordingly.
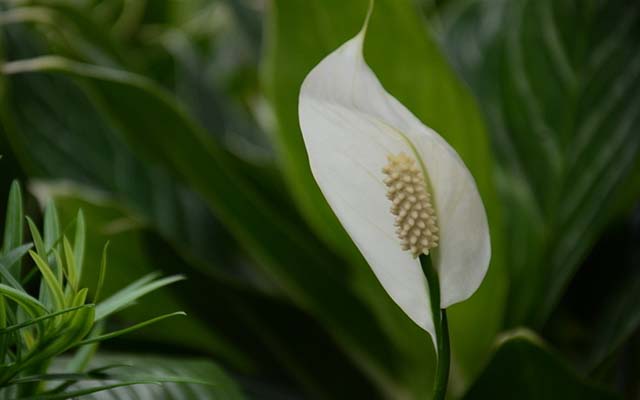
(350, 124)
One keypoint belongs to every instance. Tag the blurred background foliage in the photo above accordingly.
(173, 125)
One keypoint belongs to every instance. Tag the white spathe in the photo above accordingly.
(350, 124)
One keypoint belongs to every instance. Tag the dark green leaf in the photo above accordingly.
(621, 320)
(71, 140)
(248, 330)
(13, 226)
(559, 82)
(79, 243)
(274, 237)
(11, 258)
(523, 369)
(213, 382)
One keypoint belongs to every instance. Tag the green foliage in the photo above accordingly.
(166, 372)
(34, 331)
(420, 78)
(13, 228)
(540, 374)
(559, 86)
(155, 119)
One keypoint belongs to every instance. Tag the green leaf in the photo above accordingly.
(50, 139)
(131, 293)
(48, 316)
(37, 239)
(79, 243)
(135, 327)
(202, 379)
(50, 281)
(11, 258)
(560, 87)
(13, 226)
(265, 225)
(411, 67)
(102, 273)
(71, 266)
(620, 321)
(31, 305)
(245, 329)
(51, 230)
(522, 368)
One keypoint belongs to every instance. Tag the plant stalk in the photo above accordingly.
(441, 327)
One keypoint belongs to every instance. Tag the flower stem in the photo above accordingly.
(441, 327)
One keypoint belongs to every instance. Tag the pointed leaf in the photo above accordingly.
(13, 226)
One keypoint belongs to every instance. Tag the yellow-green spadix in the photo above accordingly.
(398, 188)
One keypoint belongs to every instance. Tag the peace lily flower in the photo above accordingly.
(399, 189)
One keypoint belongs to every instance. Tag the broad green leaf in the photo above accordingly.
(72, 31)
(51, 139)
(268, 229)
(213, 382)
(13, 226)
(248, 330)
(559, 84)
(410, 65)
(522, 368)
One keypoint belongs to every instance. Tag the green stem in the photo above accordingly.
(441, 327)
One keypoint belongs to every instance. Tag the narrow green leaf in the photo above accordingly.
(126, 296)
(132, 328)
(31, 305)
(13, 230)
(79, 244)
(11, 258)
(51, 226)
(3, 322)
(50, 280)
(84, 354)
(37, 239)
(101, 274)
(71, 266)
(84, 392)
(34, 321)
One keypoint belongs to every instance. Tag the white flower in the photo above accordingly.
(361, 143)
